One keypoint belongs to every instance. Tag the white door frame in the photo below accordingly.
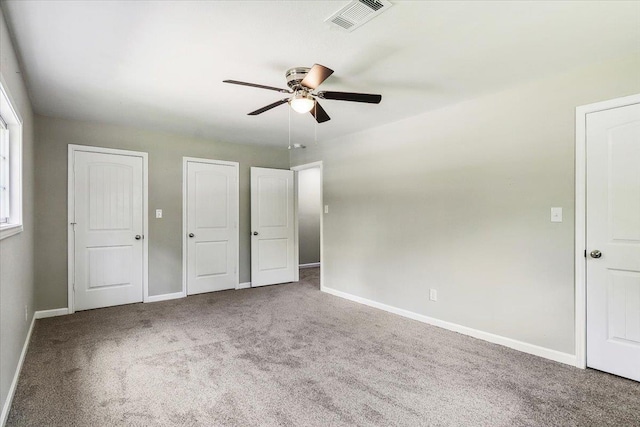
(296, 169)
(581, 216)
(73, 148)
(236, 165)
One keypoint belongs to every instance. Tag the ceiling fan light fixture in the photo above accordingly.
(302, 102)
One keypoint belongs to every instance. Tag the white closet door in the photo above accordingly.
(613, 241)
(273, 227)
(108, 237)
(212, 227)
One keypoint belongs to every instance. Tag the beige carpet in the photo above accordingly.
(289, 355)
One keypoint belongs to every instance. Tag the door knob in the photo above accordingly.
(255, 233)
(192, 235)
(138, 237)
(595, 254)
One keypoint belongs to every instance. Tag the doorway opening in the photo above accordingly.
(310, 210)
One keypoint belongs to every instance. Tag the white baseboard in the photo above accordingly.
(536, 350)
(43, 314)
(164, 297)
(12, 389)
(309, 265)
(244, 285)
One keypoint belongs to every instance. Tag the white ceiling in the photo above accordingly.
(160, 64)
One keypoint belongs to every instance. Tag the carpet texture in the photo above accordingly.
(290, 355)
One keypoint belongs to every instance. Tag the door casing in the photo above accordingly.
(236, 166)
(581, 219)
(72, 149)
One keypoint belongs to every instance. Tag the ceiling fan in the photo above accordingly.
(302, 82)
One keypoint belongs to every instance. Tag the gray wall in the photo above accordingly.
(459, 200)
(165, 192)
(309, 215)
(16, 252)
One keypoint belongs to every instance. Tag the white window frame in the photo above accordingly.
(5, 200)
(11, 116)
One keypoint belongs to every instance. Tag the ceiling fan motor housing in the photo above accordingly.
(295, 76)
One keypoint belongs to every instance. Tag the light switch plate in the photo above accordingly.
(158, 213)
(556, 214)
(433, 294)
(326, 209)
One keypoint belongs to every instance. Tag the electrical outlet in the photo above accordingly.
(433, 295)
(26, 313)
(158, 213)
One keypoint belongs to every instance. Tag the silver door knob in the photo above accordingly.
(595, 254)
(255, 233)
(138, 237)
(192, 235)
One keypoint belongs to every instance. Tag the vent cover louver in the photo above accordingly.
(357, 13)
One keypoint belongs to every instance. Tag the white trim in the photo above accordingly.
(165, 297)
(43, 314)
(14, 383)
(536, 350)
(580, 244)
(296, 228)
(297, 248)
(10, 230)
(243, 285)
(236, 165)
(14, 124)
(71, 241)
(309, 265)
(311, 165)
(71, 218)
(12, 103)
(145, 227)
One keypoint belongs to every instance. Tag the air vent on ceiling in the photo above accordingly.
(357, 13)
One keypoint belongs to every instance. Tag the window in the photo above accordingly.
(10, 165)
(5, 200)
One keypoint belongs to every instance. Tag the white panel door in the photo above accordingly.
(272, 227)
(212, 227)
(108, 230)
(613, 241)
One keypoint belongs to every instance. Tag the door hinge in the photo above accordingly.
(585, 253)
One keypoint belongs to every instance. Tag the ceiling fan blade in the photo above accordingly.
(351, 96)
(319, 114)
(268, 107)
(316, 75)
(236, 82)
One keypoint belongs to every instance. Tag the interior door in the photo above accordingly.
(108, 230)
(272, 227)
(613, 241)
(212, 227)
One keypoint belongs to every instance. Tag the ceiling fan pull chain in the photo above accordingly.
(315, 125)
